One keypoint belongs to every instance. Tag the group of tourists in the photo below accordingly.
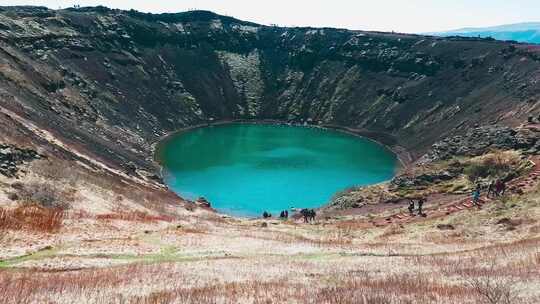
(307, 214)
(282, 215)
(496, 188)
(420, 202)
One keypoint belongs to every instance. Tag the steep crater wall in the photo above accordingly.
(111, 83)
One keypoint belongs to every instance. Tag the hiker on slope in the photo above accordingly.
(476, 196)
(491, 189)
(498, 187)
(421, 202)
(411, 207)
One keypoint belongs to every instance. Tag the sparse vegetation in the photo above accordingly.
(448, 278)
(494, 290)
(136, 216)
(31, 217)
(44, 194)
(498, 164)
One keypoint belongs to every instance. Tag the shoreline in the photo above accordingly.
(403, 157)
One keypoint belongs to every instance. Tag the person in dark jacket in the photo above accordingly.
(411, 207)
(421, 202)
(498, 187)
(491, 189)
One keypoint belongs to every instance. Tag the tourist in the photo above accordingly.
(476, 196)
(491, 188)
(498, 187)
(286, 214)
(421, 202)
(503, 187)
(312, 215)
(411, 207)
(308, 214)
(305, 214)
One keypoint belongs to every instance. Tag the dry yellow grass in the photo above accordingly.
(460, 277)
(31, 217)
(120, 242)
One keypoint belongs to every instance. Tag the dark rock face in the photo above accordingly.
(114, 82)
(12, 157)
(203, 202)
(479, 140)
(408, 181)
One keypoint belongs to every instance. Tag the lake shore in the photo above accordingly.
(384, 140)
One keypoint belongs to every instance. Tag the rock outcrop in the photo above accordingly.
(11, 158)
(479, 140)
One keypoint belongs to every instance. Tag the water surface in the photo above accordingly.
(245, 169)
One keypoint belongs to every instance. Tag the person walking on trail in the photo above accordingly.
(411, 207)
(312, 215)
(491, 189)
(421, 202)
(305, 213)
(503, 187)
(498, 187)
(476, 196)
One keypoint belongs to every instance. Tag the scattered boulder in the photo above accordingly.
(11, 158)
(409, 181)
(201, 201)
(130, 168)
(446, 227)
(509, 224)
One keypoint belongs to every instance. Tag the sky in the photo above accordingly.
(407, 16)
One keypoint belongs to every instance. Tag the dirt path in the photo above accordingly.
(524, 183)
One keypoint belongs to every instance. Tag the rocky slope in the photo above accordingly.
(109, 84)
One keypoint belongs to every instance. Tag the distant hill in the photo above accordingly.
(522, 32)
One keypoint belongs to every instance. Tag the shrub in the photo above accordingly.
(494, 290)
(495, 164)
(31, 217)
(491, 288)
(55, 171)
(44, 194)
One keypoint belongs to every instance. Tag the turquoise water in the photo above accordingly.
(246, 169)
